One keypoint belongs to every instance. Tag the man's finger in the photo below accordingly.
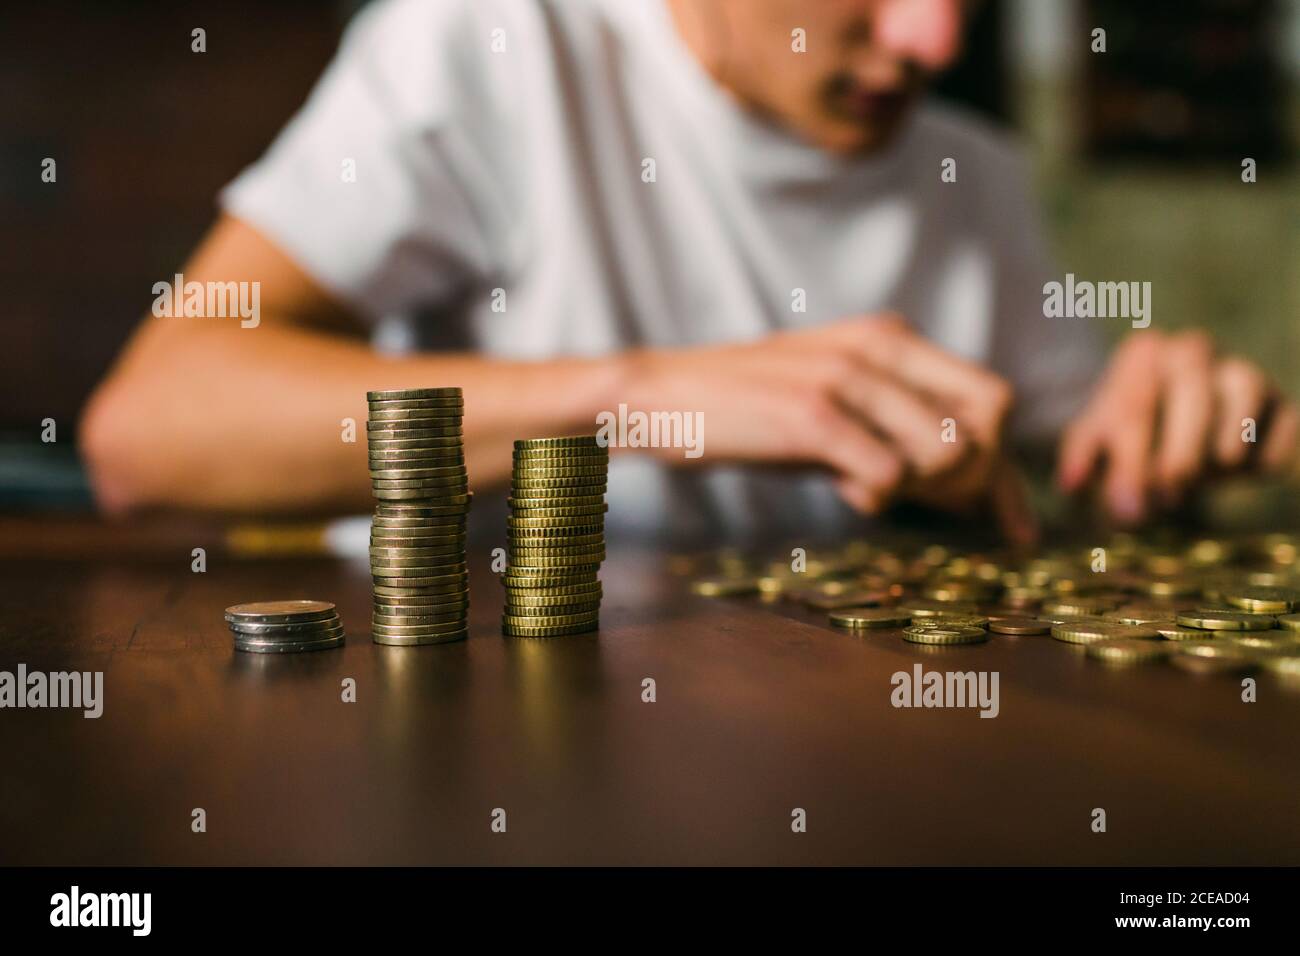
(1280, 443)
(831, 435)
(912, 425)
(1241, 390)
(1187, 411)
(887, 344)
(1080, 448)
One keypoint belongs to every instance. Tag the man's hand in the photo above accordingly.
(1167, 412)
(892, 415)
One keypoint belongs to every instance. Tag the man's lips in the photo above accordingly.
(872, 104)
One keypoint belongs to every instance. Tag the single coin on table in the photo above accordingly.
(1085, 632)
(870, 617)
(1225, 620)
(944, 634)
(1018, 626)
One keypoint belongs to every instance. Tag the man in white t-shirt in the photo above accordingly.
(740, 208)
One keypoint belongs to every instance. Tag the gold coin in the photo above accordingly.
(1077, 605)
(557, 489)
(571, 441)
(541, 456)
(954, 634)
(1139, 614)
(552, 502)
(1225, 620)
(565, 511)
(952, 619)
(549, 620)
(1226, 650)
(1173, 631)
(549, 597)
(552, 542)
(1086, 632)
(1288, 665)
(419, 640)
(1019, 626)
(1266, 640)
(545, 549)
(552, 614)
(516, 630)
(870, 617)
(1127, 650)
(1263, 600)
(558, 532)
(564, 470)
(530, 559)
(1290, 622)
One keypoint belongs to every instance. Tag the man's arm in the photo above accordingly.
(200, 412)
(203, 413)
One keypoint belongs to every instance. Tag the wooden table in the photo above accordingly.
(759, 710)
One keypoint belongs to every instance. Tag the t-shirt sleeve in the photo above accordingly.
(1053, 363)
(374, 187)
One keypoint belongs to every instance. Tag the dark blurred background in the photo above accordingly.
(1137, 153)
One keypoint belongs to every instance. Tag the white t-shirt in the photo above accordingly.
(456, 147)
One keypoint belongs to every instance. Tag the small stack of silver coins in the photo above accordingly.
(417, 537)
(285, 627)
(556, 537)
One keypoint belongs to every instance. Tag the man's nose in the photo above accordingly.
(925, 31)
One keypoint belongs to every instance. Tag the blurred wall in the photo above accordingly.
(143, 131)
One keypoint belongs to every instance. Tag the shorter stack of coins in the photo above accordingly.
(285, 627)
(556, 537)
(417, 537)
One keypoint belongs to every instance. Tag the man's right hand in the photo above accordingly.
(891, 414)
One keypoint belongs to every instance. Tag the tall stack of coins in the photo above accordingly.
(556, 537)
(417, 538)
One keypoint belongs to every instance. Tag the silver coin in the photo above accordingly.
(271, 612)
(287, 647)
(290, 631)
(397, 394)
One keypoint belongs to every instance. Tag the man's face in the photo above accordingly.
(862, 64)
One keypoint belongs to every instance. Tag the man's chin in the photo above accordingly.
(860, 138)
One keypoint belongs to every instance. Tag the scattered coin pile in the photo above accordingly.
(285, 627)
(556, 537)
(417, 537)
(1213, 605)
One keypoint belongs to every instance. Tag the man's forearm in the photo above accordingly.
(254, 419)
